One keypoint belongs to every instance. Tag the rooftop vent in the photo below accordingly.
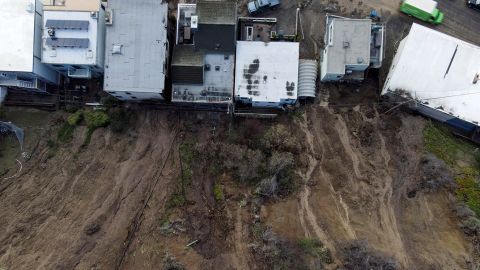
(194, 22)
(346, 44)
(359, 60)
(117, 49)
(109, 17)
(30, 8)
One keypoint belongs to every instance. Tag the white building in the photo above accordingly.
(74, 37)
(136, 58)
(439, 76)
(351, 47)
(266, 73)
(20, 47)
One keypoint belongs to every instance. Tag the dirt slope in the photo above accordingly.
(363, 166)
(109, 205)
(74, 210)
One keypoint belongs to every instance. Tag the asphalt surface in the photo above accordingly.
(460, 21)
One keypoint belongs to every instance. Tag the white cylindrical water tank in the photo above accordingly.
(307, 77)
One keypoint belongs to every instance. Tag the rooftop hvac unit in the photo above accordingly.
(109, 17)
(194, 22)
(94, 15)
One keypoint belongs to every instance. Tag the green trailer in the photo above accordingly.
(425, 10)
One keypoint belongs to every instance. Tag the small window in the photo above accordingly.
(134, 97)
(249, 33)
(217, 68)
(111, 92)
(128, 93)
(330, 34)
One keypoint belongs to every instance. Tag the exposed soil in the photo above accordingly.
(362, 174)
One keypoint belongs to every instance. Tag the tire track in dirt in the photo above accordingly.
(305, 212)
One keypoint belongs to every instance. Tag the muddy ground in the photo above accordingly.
(122, 201)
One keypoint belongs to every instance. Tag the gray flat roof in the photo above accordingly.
(350, 43)
(139, 31)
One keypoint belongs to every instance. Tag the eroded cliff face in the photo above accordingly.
(115, 204)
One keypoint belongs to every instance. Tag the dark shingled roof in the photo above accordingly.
(185, 55)
(215, 38)
(216, 12)
(187, 65)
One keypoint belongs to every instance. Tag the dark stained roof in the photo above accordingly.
(185, 55)
(217, 12)
(215, 38)
(187, 65)
(187, 75)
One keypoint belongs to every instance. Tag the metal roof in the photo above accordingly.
(307, 77)
(68, 42)
(426, 5)
(267, 72)
(438, 70)
(140, 30)
(67, 24)
(17, 18)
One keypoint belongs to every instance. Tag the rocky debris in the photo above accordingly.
(358, 256)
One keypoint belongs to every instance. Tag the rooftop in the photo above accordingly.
(256, 29)
(212, 82)
(426, 5)
(348, 42)
(216, 12)
(72, 5)
(75, 37)
(438, 70)
(267, 72)
(185, 55)
(136, 46)
(17, 18)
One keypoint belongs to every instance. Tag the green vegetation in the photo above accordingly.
(315, 248)
(462, 157)
(440, 142)
(75, 118)
(468, 189)
(65, 132)
(218, 192)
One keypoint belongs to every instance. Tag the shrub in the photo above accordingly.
(65, 132)
(218, 192)
(170, 263)
(119, 119)
(96, 119)
(468, 189)
(75, 118)
(278, 137)
(280, 161)
(315, 248)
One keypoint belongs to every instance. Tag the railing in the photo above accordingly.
(82, 73)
